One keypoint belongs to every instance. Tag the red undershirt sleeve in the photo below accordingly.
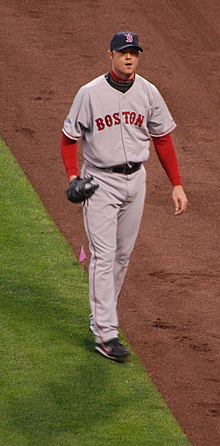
(167, 156)
(69, 154)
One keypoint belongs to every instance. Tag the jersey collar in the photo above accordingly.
(117, 79)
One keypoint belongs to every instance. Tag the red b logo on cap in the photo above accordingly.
(129, 38)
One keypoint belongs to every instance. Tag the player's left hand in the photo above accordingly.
(179, 200)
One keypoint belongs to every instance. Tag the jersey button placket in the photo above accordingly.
(126, 137)
(122, 107)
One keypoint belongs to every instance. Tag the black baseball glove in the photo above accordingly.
(80, 189)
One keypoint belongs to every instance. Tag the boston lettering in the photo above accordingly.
(126, 117)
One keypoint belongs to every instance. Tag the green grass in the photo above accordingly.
(55, 390)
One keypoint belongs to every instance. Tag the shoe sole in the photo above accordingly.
(113, 358)
(93, 330)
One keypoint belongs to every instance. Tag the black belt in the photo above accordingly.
(126, 169)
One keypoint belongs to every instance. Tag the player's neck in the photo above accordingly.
(116, 78)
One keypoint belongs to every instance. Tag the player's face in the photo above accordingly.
(124, 62)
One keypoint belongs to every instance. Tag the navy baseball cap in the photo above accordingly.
(123, 40)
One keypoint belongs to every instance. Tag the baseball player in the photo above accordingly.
(115, 116)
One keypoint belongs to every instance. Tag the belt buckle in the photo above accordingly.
(129, 167)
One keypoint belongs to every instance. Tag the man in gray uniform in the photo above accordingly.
(115, 115)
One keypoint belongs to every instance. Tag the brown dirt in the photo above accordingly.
(169, 306)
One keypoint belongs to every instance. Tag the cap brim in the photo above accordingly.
(128, 46)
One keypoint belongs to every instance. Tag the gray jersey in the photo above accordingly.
(115, 127)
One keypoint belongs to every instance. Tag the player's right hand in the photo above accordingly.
(80, 189)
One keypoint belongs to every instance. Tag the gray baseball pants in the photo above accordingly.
(112, 219)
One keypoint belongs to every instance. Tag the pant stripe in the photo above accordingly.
(94, 267)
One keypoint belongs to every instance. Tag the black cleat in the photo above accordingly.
(113, 349)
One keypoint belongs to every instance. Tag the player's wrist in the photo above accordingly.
(178, 186)
(71, 177)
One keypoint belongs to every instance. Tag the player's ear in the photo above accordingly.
(110, 54)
